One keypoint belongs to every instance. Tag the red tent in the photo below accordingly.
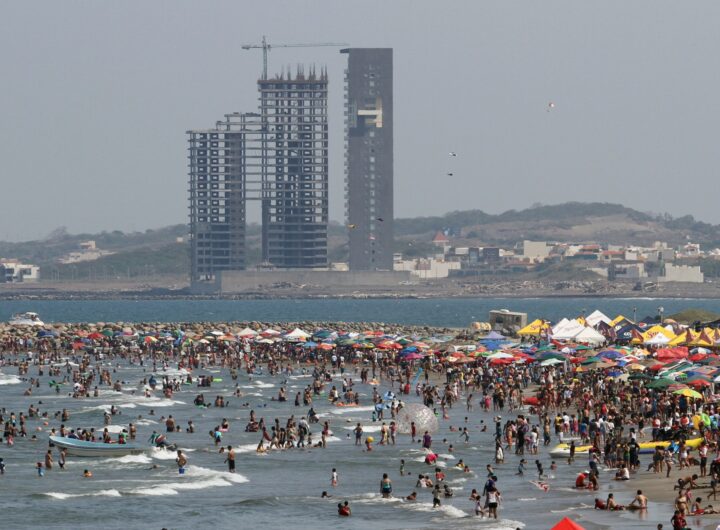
(567, 524)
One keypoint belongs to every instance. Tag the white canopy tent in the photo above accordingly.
(590, 336)
(597, 316)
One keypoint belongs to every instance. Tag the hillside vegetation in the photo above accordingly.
(155, 252)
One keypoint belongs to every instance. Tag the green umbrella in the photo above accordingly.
(662, 383)
(591, 360)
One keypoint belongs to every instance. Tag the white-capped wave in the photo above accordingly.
(163, 454)
(130, 459)
(368, 428)
(101, 493)
(447, 510)
(9, 379)
(157, 402)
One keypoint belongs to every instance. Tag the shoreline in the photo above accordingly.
(150, 295)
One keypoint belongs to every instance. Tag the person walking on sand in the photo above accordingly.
(668, 459)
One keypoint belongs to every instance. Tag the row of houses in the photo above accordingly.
(613, 262)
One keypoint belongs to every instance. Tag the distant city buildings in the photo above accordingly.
(14, 271)
(369, 157)
(658, 263)
(87, 251)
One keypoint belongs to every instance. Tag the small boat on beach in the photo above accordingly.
(82, 448)
(563, 450)
(26, 319)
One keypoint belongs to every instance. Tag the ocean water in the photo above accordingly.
(279, 488)
(456, 312)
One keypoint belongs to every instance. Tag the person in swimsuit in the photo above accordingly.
(386, 487)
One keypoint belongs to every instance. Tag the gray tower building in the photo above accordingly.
(295, 151)
(369, 157)
(224, 171)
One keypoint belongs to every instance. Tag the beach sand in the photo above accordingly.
(661, 494)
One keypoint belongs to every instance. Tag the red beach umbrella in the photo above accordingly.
(567, 524)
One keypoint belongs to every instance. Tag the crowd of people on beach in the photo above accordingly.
(602, 413)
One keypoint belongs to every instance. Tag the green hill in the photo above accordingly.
(155, 252)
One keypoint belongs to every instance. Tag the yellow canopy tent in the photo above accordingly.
(703, 339)
(534, 328)
(684, 338)
(618, 319)
(650, 333)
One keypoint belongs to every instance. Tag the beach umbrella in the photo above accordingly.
(660, 384)
(325, 346)
(550, 362)
(593, 359)
(699, 383)
(247, 333)
(412, 357)
(310, 345)
(499, 362)
(688, 392)
(635, 367)
(503, 355)
(639, 376)
(676, 387)
(567, 524)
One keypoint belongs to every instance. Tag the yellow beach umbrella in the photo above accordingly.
(689, 392)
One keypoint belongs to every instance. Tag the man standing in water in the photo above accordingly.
(230, 459)
(181, 462)
(427, 440)
(358, 434)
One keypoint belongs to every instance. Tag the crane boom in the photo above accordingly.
(266, 47)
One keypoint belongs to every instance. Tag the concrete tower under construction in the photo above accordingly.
(294, 146)
(224, 172)
(279, 157)
(369, 157)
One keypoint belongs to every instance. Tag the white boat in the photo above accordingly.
(26, 319)
(82, 448)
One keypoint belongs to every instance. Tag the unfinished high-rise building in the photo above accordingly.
(225, 170)
(279, 157)
(295, 150)
(369, 157)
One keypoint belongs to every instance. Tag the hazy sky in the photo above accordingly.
(95, 99)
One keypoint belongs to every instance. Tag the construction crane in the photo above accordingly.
(265, 47)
